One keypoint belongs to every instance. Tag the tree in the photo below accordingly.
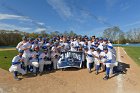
(71, 33)
(133, 35)
(114, 33)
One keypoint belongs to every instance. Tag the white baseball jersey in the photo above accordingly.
(16, 60)
(34, 54)
(66, 46)
(43, 55)
(26, 48)
(100, 46)
(82, 43)
(20, 46)
(93, 43)
(108, 56)
(102, 54)
(34, 45)
(89, 57)
(96, 54)
(16, 65)
(110, 47)
(89, 43)
(72, 46)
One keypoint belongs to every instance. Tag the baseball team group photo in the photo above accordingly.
(69, 46)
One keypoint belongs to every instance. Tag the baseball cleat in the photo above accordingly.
(16, 78)
(106, 78)
(96, 73)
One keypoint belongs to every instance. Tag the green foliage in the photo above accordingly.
(6, 58)
(9, 38)
(134, 53)
(12, 38)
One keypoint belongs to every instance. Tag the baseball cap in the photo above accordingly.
(31, 39)
(21, 51)
(98, 49)
(100, 38)
(105, 39)
(39, 36)
(24, 38)
(44, 47)
(105, 48)
(92, 47)
(96, 43)
(85, 47)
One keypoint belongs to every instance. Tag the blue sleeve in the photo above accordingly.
(108, 61)
(89, 55)
(30, 58)
(111, 47)
(15, 63)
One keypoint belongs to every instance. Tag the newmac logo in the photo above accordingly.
(1, 90)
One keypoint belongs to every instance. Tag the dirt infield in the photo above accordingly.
(76, 81)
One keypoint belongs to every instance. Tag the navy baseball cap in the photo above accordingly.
(85, 47)
(24, 38)
(92, 47)
(31, 39)
(44, 47)
(39, 36)
(105, 48)
(98, 49)
(105, 39)
(100, 38)
(21, 51)
(96, 43)
(44, 39)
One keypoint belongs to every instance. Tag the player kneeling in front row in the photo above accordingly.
(16, 65)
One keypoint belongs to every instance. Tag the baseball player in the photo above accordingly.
(89, 59)
(35, 44)
(65, 44)
(55, 55)
(34, 60)
(108, 56)
(100, 44)
(105, 41)
(102, 60)
(44, 59)
(110, 46)
(27, 47)
(47, 60)
(16, 65)
(20, 44)
(41, 62)
(97, 60)
(96, 45)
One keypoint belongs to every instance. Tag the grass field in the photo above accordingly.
(6, 58)
(134, 53)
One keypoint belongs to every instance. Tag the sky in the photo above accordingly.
(85, 17)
